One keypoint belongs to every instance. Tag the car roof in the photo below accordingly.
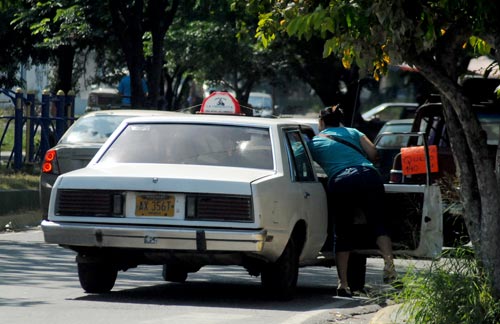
(311, 121)
(399, 121)
(259, 94)
(218, 119)
(373, 111)
(105, 90)
(131, 112)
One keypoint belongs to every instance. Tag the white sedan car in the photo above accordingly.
(191, 191)
(194, 190)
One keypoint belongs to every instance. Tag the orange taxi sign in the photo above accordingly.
(220, 102)
(413, 159)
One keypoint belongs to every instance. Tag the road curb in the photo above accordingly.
(19, 209)
(392, 314)
(344, 310)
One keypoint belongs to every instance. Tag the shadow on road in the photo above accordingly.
(229, 287)
(36, 264)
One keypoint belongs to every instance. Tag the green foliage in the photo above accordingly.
(368, 33)
(453, 290)
(56, 23)
(215, 42)
(20, 180)
(480, 46)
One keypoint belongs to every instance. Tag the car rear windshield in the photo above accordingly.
(197, 144)
(260, 102)
(92, 129)
(394, 140)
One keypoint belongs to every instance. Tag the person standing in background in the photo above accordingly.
(125, 89)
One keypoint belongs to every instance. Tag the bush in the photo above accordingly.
(453, 290)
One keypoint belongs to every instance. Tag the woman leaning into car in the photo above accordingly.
(345, 154)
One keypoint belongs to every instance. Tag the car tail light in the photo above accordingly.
(50, 164)
(396, 176)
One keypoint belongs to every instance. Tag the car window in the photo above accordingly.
(92, 129)
(394, 140)
(435, 127)
(218, 145)
(390, 113)
(491, 125)
(260, 101)
(302, 169)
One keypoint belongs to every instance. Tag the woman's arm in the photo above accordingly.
(369, 148)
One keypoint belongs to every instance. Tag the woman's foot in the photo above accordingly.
(344, 292)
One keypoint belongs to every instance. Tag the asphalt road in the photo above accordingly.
(39, 284)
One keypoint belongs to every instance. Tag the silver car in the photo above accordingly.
(79, 144)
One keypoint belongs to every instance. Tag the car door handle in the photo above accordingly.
(307, 195)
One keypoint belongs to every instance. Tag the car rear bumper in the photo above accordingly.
(153, 237)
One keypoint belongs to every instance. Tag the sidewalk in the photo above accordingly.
(363, 314)
(389, 315)
(374, 308)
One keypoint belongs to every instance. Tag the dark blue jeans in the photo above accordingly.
(356, 188)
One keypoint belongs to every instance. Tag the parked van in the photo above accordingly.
(261, 103)
(103, 99)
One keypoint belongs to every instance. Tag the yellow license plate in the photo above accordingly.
(154, 205)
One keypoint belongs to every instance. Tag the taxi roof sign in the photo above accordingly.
(220, 102)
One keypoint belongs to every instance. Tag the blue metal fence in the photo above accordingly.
(50, 119)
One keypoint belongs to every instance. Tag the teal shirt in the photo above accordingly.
(335, 157)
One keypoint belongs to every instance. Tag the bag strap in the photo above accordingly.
(343, 141)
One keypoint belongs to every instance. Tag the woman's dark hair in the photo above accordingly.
(332, 116)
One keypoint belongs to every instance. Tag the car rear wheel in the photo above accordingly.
(97, 278)
(279, 279)
(174, 273)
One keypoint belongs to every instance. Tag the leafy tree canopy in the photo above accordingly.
(374, 34)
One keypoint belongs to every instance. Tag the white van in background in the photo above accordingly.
(261, 103)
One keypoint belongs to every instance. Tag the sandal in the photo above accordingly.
(344, 292)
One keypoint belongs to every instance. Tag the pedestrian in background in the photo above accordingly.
(346, 155)
(125, 90)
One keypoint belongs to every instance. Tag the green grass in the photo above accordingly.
(454, 290)
(19, 180)
(8, 141)
(26, 178)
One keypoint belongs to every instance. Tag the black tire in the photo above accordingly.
(279, 279)
(96, 278)
(174, 273)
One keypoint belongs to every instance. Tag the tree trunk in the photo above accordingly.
(65, 57)
(127, 22)
(169, 93)
(478, 185)
(160, 17)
